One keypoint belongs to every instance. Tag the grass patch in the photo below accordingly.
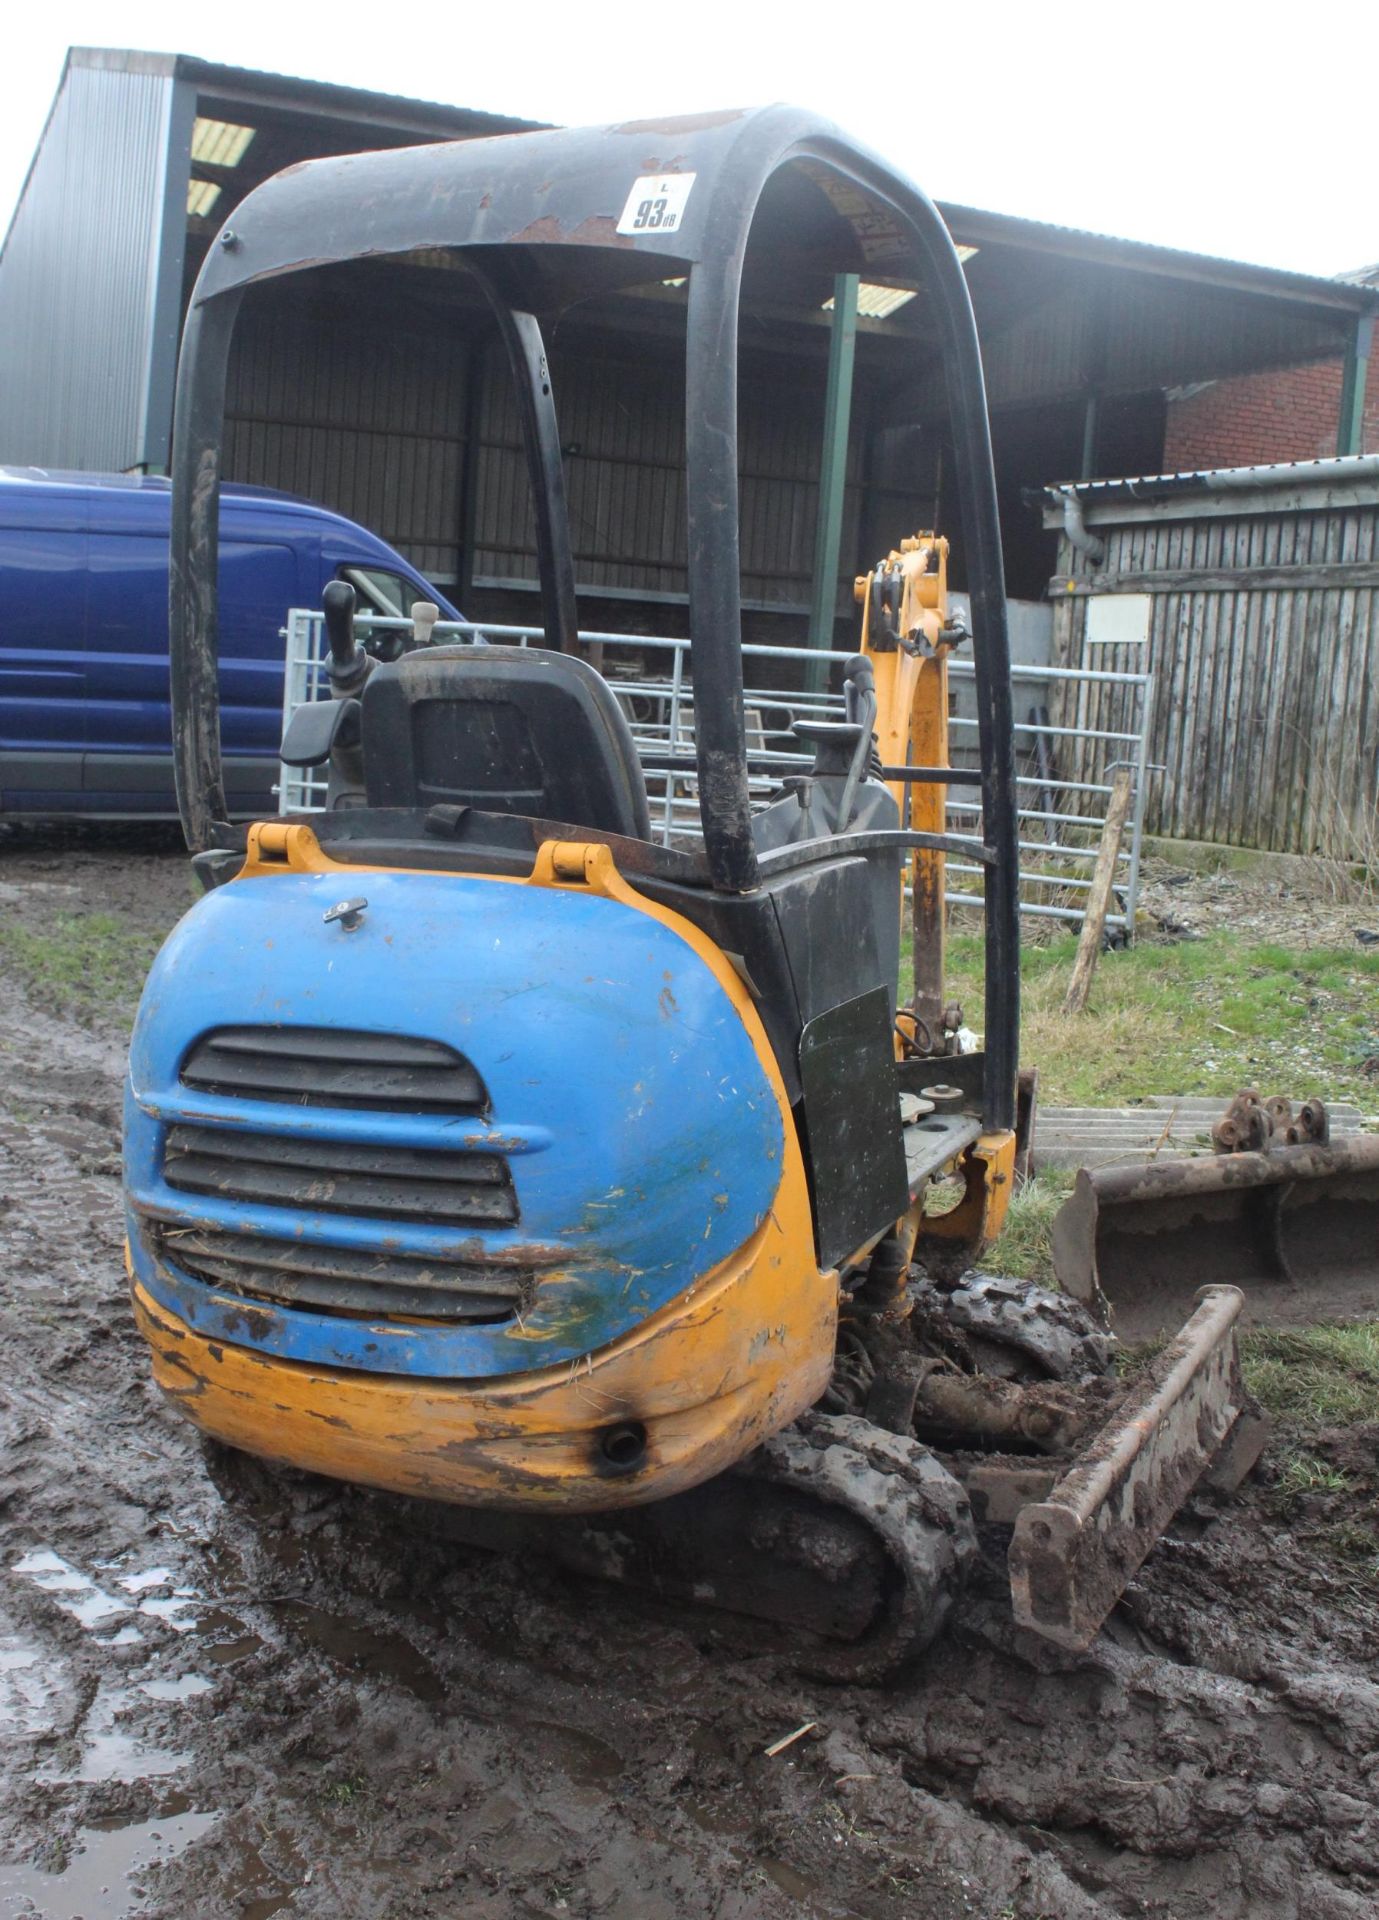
(81, 963)
(1316, 1383)
(1304, 1473)
(1329, 1507)
(1205, 1016)
(1357, 1541)
(1024, 1248)
(1315, 1376)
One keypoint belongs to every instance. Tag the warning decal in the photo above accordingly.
(656, 203)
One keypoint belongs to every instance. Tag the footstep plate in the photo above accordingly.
(1073, 1555)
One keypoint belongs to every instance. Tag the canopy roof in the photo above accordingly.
(559, 208)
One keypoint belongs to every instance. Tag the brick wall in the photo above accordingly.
(1289, 414)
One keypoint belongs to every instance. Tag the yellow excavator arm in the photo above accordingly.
(907, 635)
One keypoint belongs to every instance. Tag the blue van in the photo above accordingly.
(84, 718)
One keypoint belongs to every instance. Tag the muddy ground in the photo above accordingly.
(300, 1702)
(1290, 901)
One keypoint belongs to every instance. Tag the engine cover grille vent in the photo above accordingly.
(331, 1067)
(331, 1176)
(345, 1281)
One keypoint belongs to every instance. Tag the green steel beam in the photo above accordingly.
(1350, 437)
(828, 533)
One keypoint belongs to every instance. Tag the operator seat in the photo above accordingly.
(504, 729)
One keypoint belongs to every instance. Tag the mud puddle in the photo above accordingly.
(106, 1870)
(225, 1698)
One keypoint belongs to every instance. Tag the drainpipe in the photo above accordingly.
(1075, 528)
(1350, 436)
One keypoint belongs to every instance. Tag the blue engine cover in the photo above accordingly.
(629, 1100)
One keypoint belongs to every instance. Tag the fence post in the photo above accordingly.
(1103, 875)
(1132, 898)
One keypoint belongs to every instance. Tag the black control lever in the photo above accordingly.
(859, 679)
(349, 664)
(859, 695)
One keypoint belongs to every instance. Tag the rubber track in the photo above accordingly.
(1055, 1332)
(909, 1501)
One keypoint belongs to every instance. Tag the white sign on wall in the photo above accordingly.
(1118, 619)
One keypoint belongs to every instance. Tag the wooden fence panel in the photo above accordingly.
(1264, 643)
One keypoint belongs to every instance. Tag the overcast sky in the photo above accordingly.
(1236, 129)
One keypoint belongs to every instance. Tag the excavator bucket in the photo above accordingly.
(1295, 1227)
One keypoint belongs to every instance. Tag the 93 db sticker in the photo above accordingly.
(656, 203)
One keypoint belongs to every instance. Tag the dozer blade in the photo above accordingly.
(1073, 1553)
(1296, 1227)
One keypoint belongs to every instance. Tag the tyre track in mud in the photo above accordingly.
(342, 1715)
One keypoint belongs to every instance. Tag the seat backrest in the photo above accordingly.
(507, 729)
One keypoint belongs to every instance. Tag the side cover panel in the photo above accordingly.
(852, 1115)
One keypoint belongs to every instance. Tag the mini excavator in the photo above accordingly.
(482, 1149)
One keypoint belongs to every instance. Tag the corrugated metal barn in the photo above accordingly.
(1251, 595)
(380, 391)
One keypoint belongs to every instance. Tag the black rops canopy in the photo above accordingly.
(528, 194)
(548, 219)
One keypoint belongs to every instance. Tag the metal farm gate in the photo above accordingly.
(1060, 816)
(1252, 596)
